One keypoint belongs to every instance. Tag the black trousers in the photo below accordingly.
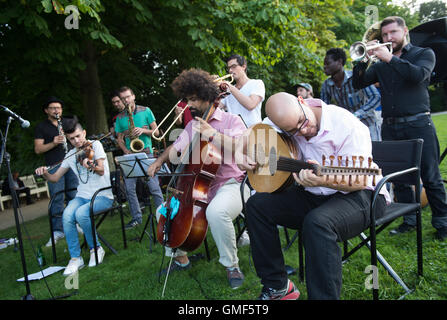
(27, 192)
(324, 220)
(431, 177)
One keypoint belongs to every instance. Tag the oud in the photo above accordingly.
(276, 159)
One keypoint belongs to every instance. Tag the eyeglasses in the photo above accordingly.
(232, 67)
(303, 125)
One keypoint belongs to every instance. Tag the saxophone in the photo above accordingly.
(136, 144)
(61, 132)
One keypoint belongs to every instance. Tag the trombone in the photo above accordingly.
(220, 81)
(172, 124)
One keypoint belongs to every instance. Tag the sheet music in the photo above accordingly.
(133, 168)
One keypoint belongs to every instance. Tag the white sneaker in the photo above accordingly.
(244, 239)
(73, 266)
(78, 227)
(57, 236)
(101, 254)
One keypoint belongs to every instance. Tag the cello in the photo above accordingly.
(184, 224)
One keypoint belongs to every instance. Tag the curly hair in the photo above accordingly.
(195, 82)
(337, 54)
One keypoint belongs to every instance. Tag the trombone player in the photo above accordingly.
(404, 75)
(134, 126)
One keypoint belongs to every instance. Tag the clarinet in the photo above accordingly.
(59, 129)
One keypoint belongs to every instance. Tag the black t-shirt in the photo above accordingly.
(47, 131)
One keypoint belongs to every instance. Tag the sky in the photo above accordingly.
(418, 2)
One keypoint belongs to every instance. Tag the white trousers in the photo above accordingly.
(220, 213)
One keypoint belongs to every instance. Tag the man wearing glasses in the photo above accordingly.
(246, 95)
(49, 142)
(324, 211)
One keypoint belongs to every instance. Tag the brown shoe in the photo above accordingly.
(235, 277)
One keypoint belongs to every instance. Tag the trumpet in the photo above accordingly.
(222, 83)
(359, 51)
(221, 79)
(172, 124)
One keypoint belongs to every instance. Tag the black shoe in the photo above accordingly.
(290, 292)
(403, 228)
(175, 266)
(441, 234)
(132, 224)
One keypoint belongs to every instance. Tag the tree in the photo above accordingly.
(432, 10)
(145, 44)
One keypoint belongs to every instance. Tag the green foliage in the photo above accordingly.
(133, 273)
(432, 10)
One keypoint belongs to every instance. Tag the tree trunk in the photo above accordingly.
(91, 92)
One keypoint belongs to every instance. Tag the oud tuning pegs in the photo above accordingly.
(340, 159)
(350, 176)
(332, 158)
(369, 166)
(323, 160)
(354, 163)
(361, 159)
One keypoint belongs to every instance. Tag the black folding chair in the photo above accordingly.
(98, 217)
(50, 216)
(400, 163)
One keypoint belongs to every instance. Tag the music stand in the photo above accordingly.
(135, 166)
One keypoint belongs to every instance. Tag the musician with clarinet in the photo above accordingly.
(404, 75)
(49, 140)
(89, 161)
(326, 211)
(224, 200)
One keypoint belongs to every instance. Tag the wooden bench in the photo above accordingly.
(30, 182)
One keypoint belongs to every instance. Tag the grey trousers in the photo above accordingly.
(134, 205)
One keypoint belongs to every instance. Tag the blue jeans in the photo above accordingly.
(67, 181)
(78, 211)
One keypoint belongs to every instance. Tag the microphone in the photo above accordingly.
(24, 123)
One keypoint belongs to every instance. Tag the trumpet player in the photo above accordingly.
(246, 95)
(49, 141)
(404, 76)
(144, 124)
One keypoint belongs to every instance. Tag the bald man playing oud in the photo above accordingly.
(326, 212)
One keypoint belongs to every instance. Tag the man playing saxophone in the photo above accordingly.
(134, 126)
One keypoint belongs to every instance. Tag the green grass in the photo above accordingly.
(133, 273)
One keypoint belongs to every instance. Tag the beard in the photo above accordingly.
(398, 45)
(196, 113)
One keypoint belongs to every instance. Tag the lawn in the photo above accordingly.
(133, 273)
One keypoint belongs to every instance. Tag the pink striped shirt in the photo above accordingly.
(228, 124)
(340, 134)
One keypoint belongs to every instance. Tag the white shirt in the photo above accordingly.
(340, 134)
(90, 182)
(250, 117)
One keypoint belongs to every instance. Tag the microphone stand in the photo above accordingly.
(15, 202)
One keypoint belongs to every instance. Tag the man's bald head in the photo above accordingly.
(283, 110)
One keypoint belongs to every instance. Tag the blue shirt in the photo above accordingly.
(361, 103)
